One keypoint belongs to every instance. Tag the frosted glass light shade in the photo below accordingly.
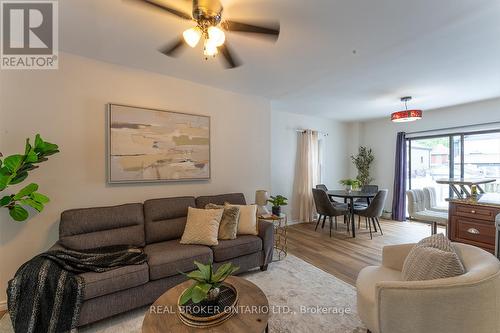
(192, 36)
(216, 36)
(210, 49)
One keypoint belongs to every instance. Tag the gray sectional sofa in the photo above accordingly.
(157, 225)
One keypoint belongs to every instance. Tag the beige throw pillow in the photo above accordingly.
(247, 224)
(229, 223)
(432, 258)
(202, 226)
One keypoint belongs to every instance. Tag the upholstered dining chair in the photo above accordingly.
(322, 187)
(326, 208)
(462, 304)
(373, 211)
(366, 189)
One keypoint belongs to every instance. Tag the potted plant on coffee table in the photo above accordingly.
(277, 202)
(207, 283)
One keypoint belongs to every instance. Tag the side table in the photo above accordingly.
(280, 223)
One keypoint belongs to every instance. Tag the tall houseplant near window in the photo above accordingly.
(363, 161)
(14, 170)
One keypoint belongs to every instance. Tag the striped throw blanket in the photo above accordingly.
(46, 293)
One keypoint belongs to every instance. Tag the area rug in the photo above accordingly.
(303, 298)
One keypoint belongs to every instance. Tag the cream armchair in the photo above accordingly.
(469, 303)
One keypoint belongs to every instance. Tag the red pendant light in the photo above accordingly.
(406, 115)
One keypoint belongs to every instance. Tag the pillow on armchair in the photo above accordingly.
(432, 258)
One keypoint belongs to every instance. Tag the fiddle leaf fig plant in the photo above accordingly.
(15, 168)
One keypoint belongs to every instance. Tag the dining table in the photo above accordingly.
(350, 196)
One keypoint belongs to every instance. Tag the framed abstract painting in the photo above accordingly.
(148, 145)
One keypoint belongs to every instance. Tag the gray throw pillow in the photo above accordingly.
(229, 223)
(432, 258)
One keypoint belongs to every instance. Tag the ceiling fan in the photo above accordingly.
(210, 29)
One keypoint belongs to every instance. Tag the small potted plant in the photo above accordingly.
(277, 202)
(349, 184)
(207, 283)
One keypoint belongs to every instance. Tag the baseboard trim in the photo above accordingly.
(3, 305)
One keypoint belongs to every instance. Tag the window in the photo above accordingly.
(462, 155)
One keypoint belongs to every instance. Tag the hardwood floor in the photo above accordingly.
(344, 256)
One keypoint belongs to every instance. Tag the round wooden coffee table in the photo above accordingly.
(252, 316)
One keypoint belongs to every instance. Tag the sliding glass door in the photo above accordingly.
(429, 160)
(458, 155)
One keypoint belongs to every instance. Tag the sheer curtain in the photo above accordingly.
(306, 175)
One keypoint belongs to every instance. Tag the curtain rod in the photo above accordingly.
(454, 127)
(301, 130)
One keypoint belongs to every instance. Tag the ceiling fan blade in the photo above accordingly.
(230, 58)
(173, 48)
(273, 30)
(155, 4)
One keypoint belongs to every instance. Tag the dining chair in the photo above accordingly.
(325, 208)
(366, 189)
(322, 187)
(373, 212)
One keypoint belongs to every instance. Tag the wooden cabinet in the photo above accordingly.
(473, 224)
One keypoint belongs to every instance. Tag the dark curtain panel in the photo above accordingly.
(399, 198)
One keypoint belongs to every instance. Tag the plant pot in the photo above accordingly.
(276, 210)
(348, 188)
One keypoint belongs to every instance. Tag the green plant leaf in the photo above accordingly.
(197, 275)
(5, 200)
(5, 178)
(39, 197)
(223, 272)
(27, 146)
(204, 269)
(200, 292)
(32, 203)
(31, 156)
(18, 213)
(186, 295)
(18, 178)
(25, 191)
(44, 148)
(13, 162)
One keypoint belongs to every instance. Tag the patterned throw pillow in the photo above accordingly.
(432, 258)
(229, 223)
(202, 226)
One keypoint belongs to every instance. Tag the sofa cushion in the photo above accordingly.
(126, 277)
(221, 199)
(88, 228)
(168, 258)
(165, 219)
(243, 245)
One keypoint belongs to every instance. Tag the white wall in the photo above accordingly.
(380, 135)
(68, 106)
(284, 148)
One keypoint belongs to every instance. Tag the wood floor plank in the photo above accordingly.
(344, 256)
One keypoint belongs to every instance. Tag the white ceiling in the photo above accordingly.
(443, 52)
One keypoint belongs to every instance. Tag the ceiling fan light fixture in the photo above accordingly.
(216, 36)
(192, 36)
(210, 49)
